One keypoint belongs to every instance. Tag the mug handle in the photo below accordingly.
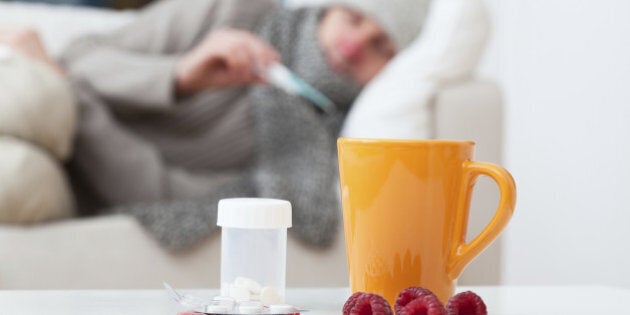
(461, 252)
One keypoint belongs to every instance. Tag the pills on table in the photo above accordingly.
(250, 309)
(281, 309)
(225, 301)
(217, 309)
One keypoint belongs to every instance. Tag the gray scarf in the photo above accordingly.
(296, 147)
(296, 143)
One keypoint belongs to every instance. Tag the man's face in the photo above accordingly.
(354, 44)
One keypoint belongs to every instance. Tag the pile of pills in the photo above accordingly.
(222, 305)
(245, 289)
(227, 305)
(246, 296)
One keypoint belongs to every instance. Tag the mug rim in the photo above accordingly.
(403, 141)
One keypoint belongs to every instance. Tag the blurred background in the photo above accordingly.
(565, 73)
(563, 67)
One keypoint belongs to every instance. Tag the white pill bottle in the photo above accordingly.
(254, 248)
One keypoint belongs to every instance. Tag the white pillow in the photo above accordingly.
(36, 104)
(396, 103)
(33, 187)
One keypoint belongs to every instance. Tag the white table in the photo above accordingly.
(500, 301)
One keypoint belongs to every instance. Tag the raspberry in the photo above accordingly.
(466, 303)
(352, 300)
(409, 294)
(423, 305)
(366, 304)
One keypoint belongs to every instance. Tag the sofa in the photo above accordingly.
(115, 252)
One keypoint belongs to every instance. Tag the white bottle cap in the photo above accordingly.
(254, 213)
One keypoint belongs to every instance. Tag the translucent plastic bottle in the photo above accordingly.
(253, 248)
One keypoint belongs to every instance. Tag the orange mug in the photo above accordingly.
(405, 212)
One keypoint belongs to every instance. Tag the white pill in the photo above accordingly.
(250, 303)
(250, 309)
(281, 309)
(269, 296)
(239, 294)
(249, 284)
(225, 301)
(217, 309)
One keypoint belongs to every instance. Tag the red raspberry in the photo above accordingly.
(466, 303)
(352, 300)
(423, 305)
(409, 294)
(366, 304)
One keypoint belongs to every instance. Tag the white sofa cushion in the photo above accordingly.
(33, 187)
(396, 103)
(36, 104)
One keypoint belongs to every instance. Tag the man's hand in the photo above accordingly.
(26, 41)
(224, 58)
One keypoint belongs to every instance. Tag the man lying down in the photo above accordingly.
(175, 111)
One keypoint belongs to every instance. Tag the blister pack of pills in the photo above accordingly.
(227, 305)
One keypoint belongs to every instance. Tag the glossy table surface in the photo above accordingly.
(501, 300)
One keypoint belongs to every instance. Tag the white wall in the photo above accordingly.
(565, 69)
